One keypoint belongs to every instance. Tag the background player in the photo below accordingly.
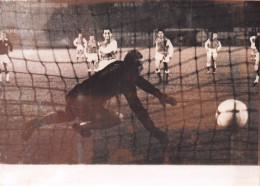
(252, 45)
(91, 54)
(163, 53)
(212, 45)
(80, 42)
(107, 50)
(5, 45)
(257, 49)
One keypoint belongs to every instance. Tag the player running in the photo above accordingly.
(107, 50)
(212, 45)
(91, 54)
(163, 53)
(5, 46)
(80, 42)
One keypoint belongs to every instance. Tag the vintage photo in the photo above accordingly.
(132, 82)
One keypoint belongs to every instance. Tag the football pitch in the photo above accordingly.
(40, 79)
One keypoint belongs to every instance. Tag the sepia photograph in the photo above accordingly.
(119, 83)
(129, 82)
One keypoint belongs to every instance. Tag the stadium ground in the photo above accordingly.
(40, 79)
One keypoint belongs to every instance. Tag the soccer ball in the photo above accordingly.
(232, 112)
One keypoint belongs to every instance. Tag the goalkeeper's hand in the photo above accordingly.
(165, 99)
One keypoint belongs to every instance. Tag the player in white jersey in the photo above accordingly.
(163, 53)
(80, 42)
(91, 53)
(107, 50)
(257, 50)
(252, 45)
(5, 47)
(212, 45)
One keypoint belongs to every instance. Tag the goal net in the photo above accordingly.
(44, 69)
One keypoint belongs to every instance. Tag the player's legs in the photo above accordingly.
(81, 55)
(54, 117)
(93, 58)
(253, 55)
(95, 62)
(88, 62)
(7, 76)
(166, 69)
(4, 63)
(80, 52)
(89, 67)
(157, 70)
(103, 119)
(158, 60)
(0, 76)
(256, 78)
(256, 69)
(96, 65)
(214, 63)
(256, 61)
(77, 55)
(1, 68)
(209, 56)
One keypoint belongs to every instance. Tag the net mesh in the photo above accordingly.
(44, 68)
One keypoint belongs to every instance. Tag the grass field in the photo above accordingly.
(41, 78)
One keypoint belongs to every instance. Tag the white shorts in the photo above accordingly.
(211, 52)
(4, 59)
(91, 57)
(160, 58)
(80, 51)
(104, 63)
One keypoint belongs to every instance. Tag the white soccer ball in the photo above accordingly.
(232, 112)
